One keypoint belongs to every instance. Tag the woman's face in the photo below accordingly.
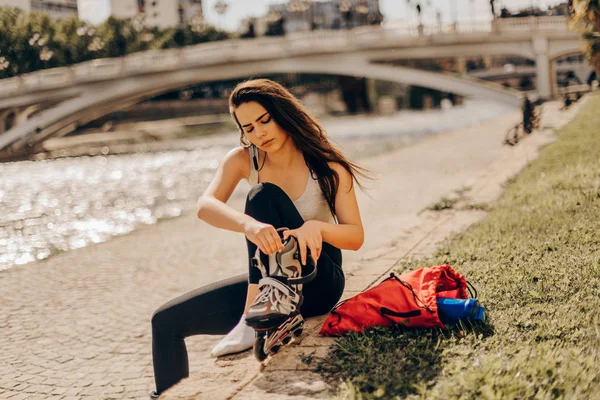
(259, 127)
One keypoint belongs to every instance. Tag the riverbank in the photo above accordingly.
(77, 325)
(466, 162)
(535, 262)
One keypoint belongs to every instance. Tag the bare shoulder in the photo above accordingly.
(237, 159)
(343, 174)
(339, 168)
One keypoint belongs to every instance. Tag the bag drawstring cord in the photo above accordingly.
(409, 287)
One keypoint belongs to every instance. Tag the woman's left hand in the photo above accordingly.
(308, 236)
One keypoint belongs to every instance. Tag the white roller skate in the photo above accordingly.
(275, 313)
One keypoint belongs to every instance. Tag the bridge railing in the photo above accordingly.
(533, 24)
(261, 48)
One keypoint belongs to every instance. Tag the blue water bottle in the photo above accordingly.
(453, 310)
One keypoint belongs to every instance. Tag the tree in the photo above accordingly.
(121, 37)
(33, 41)
(8, 42)
(586, 19)
(75, 41)
(276, 27)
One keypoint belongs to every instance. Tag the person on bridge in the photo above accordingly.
(528, 114)
(299, 181)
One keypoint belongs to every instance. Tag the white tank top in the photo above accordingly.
(311, 204)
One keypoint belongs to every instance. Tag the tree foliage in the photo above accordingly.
(34, 41)
(586, 19)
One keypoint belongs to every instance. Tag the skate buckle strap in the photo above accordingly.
(276, 291)
(294, 280)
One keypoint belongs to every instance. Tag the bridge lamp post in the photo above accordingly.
(454, 15)
(221, 7)
(420, 28)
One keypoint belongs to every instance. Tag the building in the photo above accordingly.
(305, 15)
(57, 9)
(558, 9)
(155, 13)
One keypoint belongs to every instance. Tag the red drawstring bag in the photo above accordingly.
(409, 299)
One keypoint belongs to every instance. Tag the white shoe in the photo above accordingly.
(240, 338)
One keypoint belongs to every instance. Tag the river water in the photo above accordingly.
(51, 206)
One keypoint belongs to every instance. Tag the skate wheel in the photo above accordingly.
(259, 348)
(298, 332)
(275, 349)
(286, 340)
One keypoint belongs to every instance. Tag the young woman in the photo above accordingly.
(299, 181)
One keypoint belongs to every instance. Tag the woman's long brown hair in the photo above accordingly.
(306, 132)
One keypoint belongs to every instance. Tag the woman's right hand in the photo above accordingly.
(265, 236)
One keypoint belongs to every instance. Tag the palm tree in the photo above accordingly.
(586, 19)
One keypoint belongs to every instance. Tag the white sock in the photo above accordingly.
(239, 339)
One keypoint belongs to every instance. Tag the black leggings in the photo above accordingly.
(216, 308)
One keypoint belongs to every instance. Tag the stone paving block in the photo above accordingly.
(72, 392)
(302, 385)
(59, 391)
(83, 383)
(217, 381)
(377, 253)
(317, 340)
(313, 324)
(372, 268)
(51, 381)
(8, 383)
(19, 396)
(37, 379)
(113, 390)
(23, 377)
(44, 389)
(21, 387)
(349, 293)
(295, 358)
(357, 283)
(12, 377)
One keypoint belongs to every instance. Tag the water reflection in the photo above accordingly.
(53, 206)
(56, 205)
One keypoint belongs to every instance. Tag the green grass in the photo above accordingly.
(535, 260)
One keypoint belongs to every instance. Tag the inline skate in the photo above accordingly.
(275, 313)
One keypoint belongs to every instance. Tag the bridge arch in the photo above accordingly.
(101, 99)
(8, 119)
(558, 49)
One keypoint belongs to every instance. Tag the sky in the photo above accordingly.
(393, 10)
